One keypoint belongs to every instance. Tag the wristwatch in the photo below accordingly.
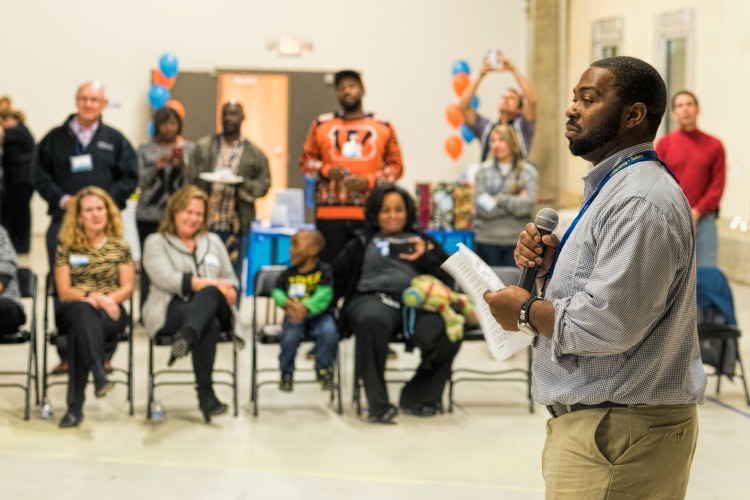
(524, 324)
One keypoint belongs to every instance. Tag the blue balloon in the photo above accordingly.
(168, 64)
(158, 96)
(460, 66)
(475, 102)
(466, 133)
(150, 128)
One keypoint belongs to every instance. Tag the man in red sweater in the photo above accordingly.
(348, 152)
(697, 159)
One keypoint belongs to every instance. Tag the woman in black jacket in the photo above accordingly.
(370, 273)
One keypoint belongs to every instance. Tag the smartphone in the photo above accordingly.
(399, 246)
(177, 152)
(493, 58)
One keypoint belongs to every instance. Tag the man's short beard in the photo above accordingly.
(601, 135)
(355, 106)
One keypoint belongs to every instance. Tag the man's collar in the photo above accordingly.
(76, 126)
(601, 169)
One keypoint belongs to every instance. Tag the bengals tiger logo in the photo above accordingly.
(356, 142)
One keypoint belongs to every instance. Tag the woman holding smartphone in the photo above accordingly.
(371, 273)
(161, 168)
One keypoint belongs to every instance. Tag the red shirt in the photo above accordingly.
(697, 159)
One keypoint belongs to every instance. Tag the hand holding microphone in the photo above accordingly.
(530, 251)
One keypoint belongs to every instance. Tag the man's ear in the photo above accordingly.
(635, 114)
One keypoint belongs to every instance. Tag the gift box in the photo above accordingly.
(462, 200)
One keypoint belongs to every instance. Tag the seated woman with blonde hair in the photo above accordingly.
(93, 275)
(193, 293)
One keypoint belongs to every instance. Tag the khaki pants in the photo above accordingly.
(638, 452)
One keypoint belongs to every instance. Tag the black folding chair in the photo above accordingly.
(267, 330)
(122, 376)
(509, 276)
(718, 336)
(27, 281)
(176, 377)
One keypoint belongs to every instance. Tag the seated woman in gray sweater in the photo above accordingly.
(193, 294)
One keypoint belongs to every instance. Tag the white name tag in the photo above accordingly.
(81, 163)
(486, 201)
(212, 260)
(78, 260)
(297, 290)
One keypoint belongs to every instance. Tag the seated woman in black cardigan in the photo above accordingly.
(371, 279)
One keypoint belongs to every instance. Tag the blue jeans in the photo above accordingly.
(706, 241)
(322, 328)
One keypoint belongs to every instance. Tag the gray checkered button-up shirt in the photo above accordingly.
(624, 296)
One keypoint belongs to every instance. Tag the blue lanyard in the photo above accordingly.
(636, 158)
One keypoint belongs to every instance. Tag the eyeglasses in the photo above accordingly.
(94, 100)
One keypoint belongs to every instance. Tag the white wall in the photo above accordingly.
(720, 73)
(405, 49)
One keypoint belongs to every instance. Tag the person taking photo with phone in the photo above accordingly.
(161, 171)
(516, 108)
(371, 273)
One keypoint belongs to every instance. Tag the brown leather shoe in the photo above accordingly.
(60, 369)
(107, 365)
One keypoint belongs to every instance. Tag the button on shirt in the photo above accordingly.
(624, 296)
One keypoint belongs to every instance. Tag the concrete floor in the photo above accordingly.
(298, 447)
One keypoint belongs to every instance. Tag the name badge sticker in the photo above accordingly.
(297, 290)
(78, 260)
(81, 163)
(212, 260)
(486, 201)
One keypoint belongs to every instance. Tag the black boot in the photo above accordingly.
(209, 405)
(102, 384)
(71, 419)
(182, 342)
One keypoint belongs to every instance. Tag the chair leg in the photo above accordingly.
(150, 388)
(742, 369)
(720, 369)
(450, 393)
(28, 379)
(338, 381)
(130, 364)
(36, 366)
(234, 381)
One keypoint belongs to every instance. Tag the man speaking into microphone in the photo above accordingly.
(616, 361)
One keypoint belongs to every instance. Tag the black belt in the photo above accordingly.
(559, 409)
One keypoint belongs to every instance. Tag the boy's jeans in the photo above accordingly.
(322, 328)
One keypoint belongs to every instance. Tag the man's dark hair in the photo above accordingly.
(684, 92)
(164, 114)
(638, 81)
(375, 202)
(347, 73)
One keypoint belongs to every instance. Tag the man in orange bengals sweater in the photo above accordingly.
(348, 152)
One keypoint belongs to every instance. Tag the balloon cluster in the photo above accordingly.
(453, 144)
(162, 81)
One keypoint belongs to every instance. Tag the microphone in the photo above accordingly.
(546, 222)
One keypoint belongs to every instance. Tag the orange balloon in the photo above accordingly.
(460, 82)
(177, 106)
(158, 78)
(454, 115)
(453, 146)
